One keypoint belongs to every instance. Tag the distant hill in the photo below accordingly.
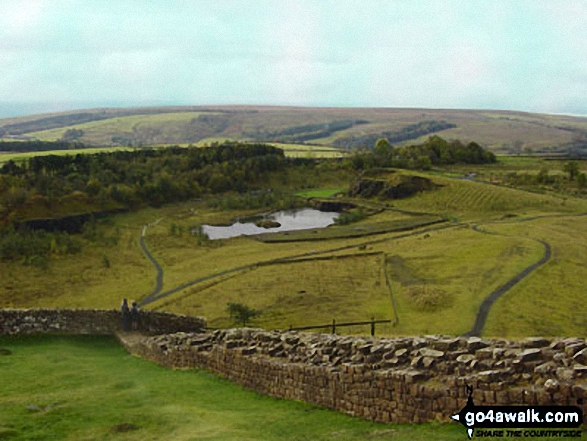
(505, 132)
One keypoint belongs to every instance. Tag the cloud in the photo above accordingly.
(448, 53)
(21, 16)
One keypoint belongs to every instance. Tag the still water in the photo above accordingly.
(290, 220)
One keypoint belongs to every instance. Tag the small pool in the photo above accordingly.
(289, 220)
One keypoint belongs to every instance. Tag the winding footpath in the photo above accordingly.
(158, 268)
(491, 298)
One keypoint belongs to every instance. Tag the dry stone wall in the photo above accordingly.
(91, 321)
(405, 380)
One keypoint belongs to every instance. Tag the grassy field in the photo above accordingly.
(88, 388)
(157, 128)
(19, 157)
(468, 200)
(551, 302)
(320, 193)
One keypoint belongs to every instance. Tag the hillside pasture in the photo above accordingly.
(552, 301)
(468, 200)
(152, 129)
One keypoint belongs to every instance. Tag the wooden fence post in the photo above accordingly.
(372, 326)
(333, 326)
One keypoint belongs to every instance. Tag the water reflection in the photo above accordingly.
(290, 220)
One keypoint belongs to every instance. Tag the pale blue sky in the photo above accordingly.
(502, 54)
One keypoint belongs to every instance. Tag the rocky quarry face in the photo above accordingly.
(398, 187)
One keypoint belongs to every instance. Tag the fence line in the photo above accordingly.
(391, 296)
(332, 326)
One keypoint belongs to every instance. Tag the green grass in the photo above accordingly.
(358, 229)
(88, 388)
(552, 301)
(320, 192)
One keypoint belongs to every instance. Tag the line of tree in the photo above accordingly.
(435, 151)
(411, 131)
(305, 132)
(543, 179)
(40, 146)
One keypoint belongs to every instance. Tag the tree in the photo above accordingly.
(518, 146)
(423, 163)
(241, 313)
(572, 168)
(543, 176)
(383, 151)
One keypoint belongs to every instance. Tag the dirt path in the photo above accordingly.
(159, 278)
(491, 298)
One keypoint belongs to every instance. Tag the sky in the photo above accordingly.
(528, 55)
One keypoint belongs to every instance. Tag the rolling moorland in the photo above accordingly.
(504, 132)
(423, 243)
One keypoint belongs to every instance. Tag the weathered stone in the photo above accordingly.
(551, 385)
(465, 358)
(418, 342)
(249, 351)
(535, 342)
(484, 354)
(392, 362)
(428, 362)
(559, 357)
(573, 348)
(581, 356)
(427, 352)
(580, 370)
(489, 376)
(446, 344)
(545, 368)
(475, 343)
(413, 376)
(529, 355)
(565, 374)
(365, 349)
(416, 361)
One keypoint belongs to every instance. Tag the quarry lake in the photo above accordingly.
(288, 220)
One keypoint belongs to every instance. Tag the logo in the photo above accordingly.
(514, 421)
